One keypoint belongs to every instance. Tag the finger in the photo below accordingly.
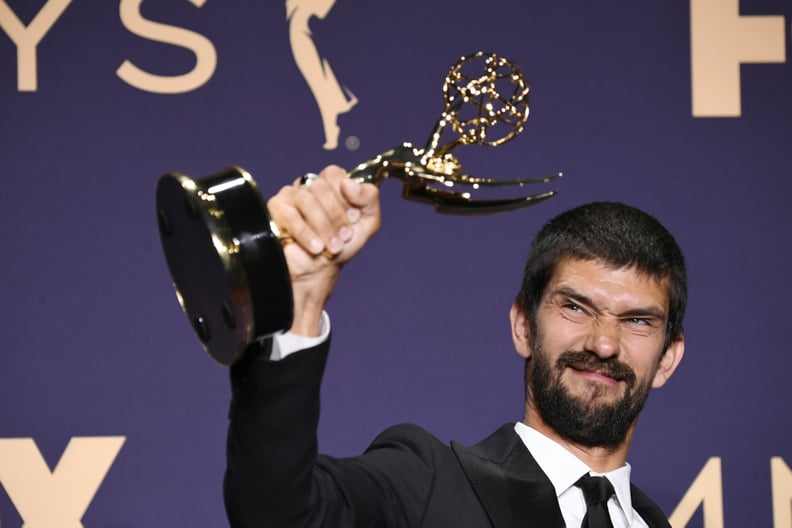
(333, 173)
(339, 180)
(322, 216)
(336, 231)
(318, 209)
(287, 213)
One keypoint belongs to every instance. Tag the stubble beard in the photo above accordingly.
(587, 421)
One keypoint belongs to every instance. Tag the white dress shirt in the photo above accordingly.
(287, 343)
(564, 469)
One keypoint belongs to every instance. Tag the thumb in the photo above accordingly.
(364, 199)
(361, 195)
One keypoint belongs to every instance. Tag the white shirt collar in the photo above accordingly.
(564, 469)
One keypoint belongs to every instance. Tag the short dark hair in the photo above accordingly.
(618, 235)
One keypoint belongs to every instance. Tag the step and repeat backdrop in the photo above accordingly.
(112, 415)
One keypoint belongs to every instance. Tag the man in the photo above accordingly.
(598, 320)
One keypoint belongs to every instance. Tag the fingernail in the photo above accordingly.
(315, 246)
(353, 214)
(345, 233)
(353, 186)
(335, 245)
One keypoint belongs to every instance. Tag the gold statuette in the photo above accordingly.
(486, 103)
(224, 252)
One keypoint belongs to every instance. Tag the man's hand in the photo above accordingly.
(330, 222)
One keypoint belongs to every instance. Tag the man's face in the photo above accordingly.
(596, 350)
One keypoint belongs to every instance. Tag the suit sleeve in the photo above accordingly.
(274, 475)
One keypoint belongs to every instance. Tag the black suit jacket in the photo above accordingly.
(406, 478)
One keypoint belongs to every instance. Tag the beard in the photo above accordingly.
(585, 420)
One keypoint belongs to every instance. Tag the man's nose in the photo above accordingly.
(604, 338)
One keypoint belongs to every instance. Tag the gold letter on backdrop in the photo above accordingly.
(721, 40)
(204, 50)
(781, 477)
(59, 498)
(27, 38)
(706, 490)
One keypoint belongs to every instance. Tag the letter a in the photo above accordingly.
(706, 490)
(59, 498)
(781, 477)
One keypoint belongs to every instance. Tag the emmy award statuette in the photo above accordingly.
(225, 254)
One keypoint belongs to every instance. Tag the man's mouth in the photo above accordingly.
(600, 376)
(609, 372)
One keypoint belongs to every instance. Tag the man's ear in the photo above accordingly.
(669, 362)
(521, 333)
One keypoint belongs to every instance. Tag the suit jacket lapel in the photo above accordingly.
(648, 510)
(511, 487)
(515, 492)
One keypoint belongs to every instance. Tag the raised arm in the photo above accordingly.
(275, 407)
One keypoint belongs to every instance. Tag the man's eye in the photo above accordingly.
(573, 307)
(639, 321)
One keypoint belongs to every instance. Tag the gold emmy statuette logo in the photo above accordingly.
(332, 98)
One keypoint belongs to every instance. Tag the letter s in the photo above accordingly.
(205, 54)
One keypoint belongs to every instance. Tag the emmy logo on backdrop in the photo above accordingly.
(332, 98)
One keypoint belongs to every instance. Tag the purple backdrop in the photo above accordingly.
(93, 341)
